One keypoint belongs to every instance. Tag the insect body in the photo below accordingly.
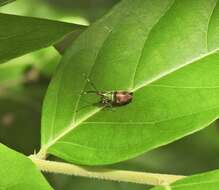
(112, 98)
(117, 98)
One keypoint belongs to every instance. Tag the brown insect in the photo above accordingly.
(112, 98)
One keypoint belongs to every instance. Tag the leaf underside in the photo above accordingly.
(165, 51)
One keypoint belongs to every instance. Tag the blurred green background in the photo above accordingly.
(23, 83)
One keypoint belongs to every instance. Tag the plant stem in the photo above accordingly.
(105, 174)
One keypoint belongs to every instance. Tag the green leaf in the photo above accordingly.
(164, 52)
(208, 180)
(20, 35)
(18, 172)
(4, 2)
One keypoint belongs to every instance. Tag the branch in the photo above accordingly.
(105, 174)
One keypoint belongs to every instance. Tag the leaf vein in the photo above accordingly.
(147, 37)
(209, 20)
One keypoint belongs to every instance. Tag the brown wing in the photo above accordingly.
(123, 97)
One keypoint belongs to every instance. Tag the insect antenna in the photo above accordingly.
(92, 85)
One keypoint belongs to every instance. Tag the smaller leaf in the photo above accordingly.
(17, 172)
(4, 2)
(20, 35)
(203, 181)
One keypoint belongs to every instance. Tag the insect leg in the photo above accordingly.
(89, 91)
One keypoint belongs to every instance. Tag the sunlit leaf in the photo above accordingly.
(164, 51)
(17, 172)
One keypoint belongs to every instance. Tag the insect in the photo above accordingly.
(111, 98)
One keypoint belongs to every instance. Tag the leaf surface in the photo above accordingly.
(208, 180)
(164, 51)
(18, 172)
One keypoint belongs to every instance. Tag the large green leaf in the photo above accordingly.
(204, 181)
(20, 35)
(165, 51)
(17, 172)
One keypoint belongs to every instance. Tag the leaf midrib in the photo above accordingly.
(191, 114)
(75, 124)
(179, 67)
(97, 111)
(171, 71)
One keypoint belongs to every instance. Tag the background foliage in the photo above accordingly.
(24, 80)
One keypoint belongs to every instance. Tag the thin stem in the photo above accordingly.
(105, 174)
